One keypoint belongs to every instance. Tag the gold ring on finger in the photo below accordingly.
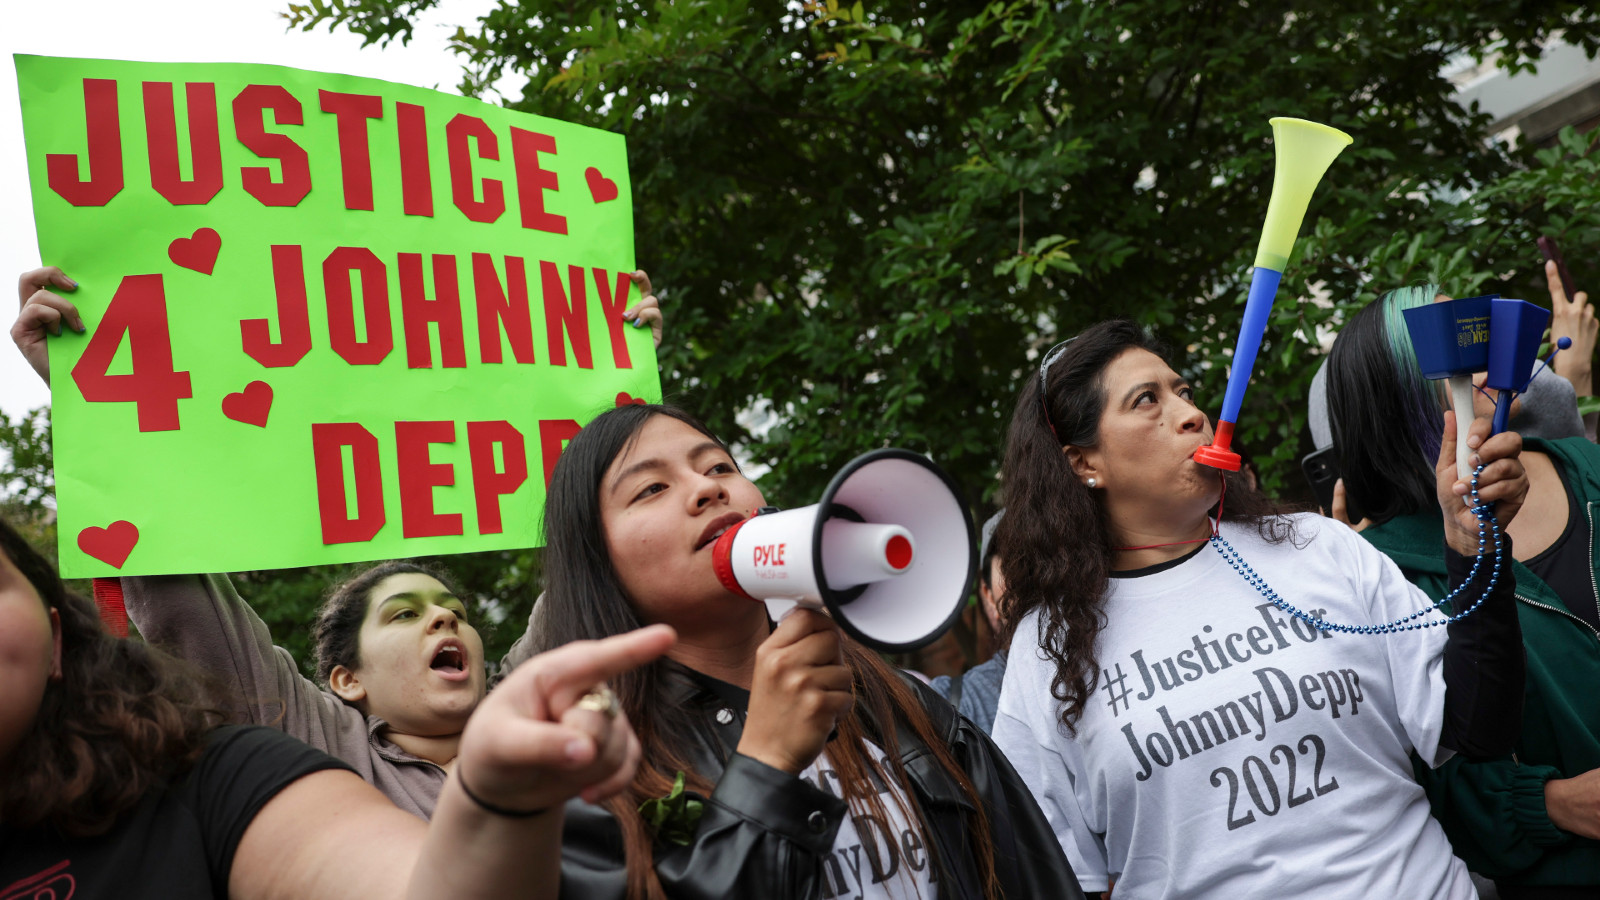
(602, 700)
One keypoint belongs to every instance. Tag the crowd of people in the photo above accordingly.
(1185, 688)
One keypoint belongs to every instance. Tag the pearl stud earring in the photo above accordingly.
(1091, 483)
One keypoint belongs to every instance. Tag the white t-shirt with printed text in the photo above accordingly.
(872, 857)
(1231, 750)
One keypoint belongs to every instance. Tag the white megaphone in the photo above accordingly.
(888, 551)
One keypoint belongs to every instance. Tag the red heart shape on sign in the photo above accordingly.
(250, 405)
(624, 398)
(111, 544)
(601, 188)
(198, 252)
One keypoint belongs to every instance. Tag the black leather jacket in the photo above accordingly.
(765, 832)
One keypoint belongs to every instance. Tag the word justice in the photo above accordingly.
(468, 140)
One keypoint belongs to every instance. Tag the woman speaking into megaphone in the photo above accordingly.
(779, 761)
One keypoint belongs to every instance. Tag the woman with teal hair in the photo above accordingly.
(1531, 821)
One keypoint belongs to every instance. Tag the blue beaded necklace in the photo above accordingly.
(1488, 528)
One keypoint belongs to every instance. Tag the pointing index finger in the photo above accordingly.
(567, 673)
(1558, 291)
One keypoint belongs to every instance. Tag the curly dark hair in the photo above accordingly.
(336, 636)
(123, 719)
(1054, 542)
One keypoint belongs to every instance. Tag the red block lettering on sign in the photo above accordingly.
(533, 180)
(355, 160)
(489, 484)
(562, 318)
(294, 318)
(615, 303)
(337, 270)
(205, 143)
(139, 310)
(459, 135)
(502, 307)
(327, 452)
(416, 182)
(444, 310)
(249, 124)
(419, 475)
(104, 131)
(553, 437)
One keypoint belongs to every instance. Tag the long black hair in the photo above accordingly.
(1054, 542)
(584, 600)
(1387, 420)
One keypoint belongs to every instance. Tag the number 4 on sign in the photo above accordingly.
(138, 310)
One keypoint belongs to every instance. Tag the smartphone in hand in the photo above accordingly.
(1547, 246)
(1321, 469)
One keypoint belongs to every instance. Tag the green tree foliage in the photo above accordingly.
(27, 483)
(869, 218)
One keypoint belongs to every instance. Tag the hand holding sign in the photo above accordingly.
(647, 311)
(43, 314)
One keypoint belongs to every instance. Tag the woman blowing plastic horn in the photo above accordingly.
(907, 799)
(1187, 735)
(120, 782)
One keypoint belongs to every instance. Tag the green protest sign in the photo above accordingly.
(330, 319)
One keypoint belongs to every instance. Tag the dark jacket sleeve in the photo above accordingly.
(762, 834)
(1484, 664)
(1028, 860)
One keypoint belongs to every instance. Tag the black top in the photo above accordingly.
(766, 833)
(1484, 664)
(1566, 565)
(178, 843)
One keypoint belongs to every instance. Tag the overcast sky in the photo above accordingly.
(174, 31)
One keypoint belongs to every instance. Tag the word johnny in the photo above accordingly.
(331, 319)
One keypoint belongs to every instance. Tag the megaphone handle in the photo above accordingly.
(780, 608)
(1461, 401)
(794, 605)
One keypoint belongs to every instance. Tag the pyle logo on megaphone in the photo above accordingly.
(769, 555)
(888, 551)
